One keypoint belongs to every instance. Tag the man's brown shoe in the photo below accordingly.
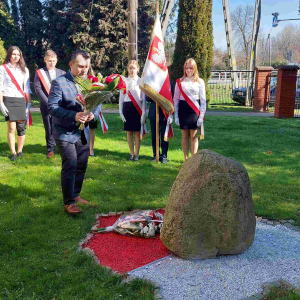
(78, 199)
(72, 209)
(50, 154)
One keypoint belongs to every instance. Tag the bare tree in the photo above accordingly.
(242, 25)
(220, 60)
(285, 43)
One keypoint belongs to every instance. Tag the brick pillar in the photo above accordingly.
(262, 88)
(286, 91)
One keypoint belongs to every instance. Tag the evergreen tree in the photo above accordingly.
(8, 30)
(100, 27)
(32, 32)
(101, 30)
(194, 38)
(146, 18)
(15, 11)
(56, 27)
(6, 4)
(2, 52)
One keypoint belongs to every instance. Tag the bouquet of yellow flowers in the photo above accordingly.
(94, 90)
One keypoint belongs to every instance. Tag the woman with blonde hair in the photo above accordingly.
(189, 106)
(15, 98)
(132, 108)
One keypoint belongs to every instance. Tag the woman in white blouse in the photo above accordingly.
(15, 98)
(132, 108)
(189, 106)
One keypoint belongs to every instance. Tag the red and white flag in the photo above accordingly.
(103, 123)
(155, 81)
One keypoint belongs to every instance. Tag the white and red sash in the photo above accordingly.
(169, 129)
(193, 103)
(44, 80)
(103, 123)
(15, 82)
(133, 96)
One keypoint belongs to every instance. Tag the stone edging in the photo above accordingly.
(286, 223)
(268, 285)
(157, 295)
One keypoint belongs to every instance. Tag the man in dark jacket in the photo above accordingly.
(72, 142)
(42, 83)
(163, 154)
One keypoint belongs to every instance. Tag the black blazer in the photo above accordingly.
(40, 91)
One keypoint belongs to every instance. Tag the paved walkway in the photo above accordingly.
(208, 113)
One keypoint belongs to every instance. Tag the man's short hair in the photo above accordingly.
(84, 54)
(50, 53)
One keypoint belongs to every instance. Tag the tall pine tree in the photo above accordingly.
(8, 30)
(56, 27)
(15, 11)
(194, 38)
(32, 26)
(146, 18)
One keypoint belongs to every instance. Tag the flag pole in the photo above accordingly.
(157, 107)
(157, 132)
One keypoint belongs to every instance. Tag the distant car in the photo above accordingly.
(273, 85)
(239, 95)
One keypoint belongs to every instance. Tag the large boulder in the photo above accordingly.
(210, 208)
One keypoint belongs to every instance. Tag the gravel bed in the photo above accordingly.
(274, 254)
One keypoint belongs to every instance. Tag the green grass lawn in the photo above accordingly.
(39, 257)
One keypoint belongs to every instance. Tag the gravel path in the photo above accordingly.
(274, 254)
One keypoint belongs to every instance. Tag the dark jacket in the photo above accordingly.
(63, 106)
(152, 109)
(41, 92)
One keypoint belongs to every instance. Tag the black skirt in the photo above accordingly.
(16, 108)
(187, 117)
(93, 124)
(132, 117)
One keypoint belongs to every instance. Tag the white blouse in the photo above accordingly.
(8, 88)
(133, 84)
(195, 88)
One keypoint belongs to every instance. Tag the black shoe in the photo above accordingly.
(130, 157)
(20, 154)
(13, 157)
(163, 159)
(153, 158)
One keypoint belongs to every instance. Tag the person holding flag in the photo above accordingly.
(164, 121)
(190, 106)
(42, 83)
(155, 83)
(15, 98)
(132, 108)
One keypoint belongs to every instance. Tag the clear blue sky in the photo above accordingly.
(287, 9)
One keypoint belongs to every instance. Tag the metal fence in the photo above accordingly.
(229, 87)
(273, 87)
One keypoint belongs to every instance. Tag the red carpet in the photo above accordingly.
(124, 253)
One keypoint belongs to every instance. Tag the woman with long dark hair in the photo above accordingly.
(15, 98)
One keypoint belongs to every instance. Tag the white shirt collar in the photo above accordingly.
(11, 66)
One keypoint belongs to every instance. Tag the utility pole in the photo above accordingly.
(256, 23)
(164, 19)
(269, 40)
(132, 30)
(230, 45)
